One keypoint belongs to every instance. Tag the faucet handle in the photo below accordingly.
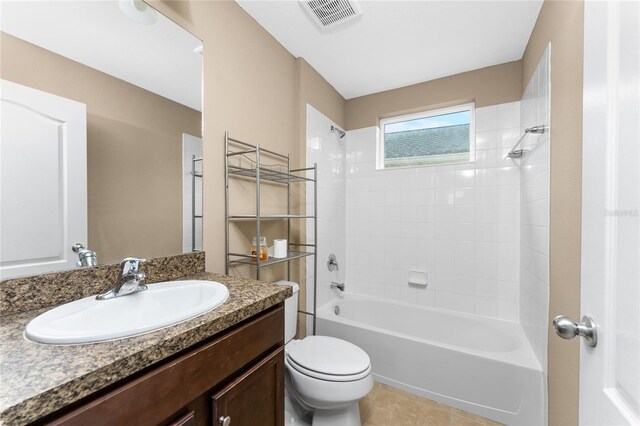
(332, 263)
(130, 265)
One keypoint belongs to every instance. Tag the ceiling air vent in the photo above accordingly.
(328, 13)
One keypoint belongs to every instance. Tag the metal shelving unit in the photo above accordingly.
(194, 216)
(238, 163)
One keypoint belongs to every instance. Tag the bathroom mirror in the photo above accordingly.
(101, 136)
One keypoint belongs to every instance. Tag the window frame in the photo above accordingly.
(470, 106)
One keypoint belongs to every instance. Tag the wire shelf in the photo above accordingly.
(248, 260)
(267, 173)
(269, 216)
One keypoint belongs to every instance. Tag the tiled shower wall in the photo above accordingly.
(479, 230)
(325, 149)
(459, 223)
(534, 211)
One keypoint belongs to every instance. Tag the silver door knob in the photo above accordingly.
(566, 328)
(225, 421)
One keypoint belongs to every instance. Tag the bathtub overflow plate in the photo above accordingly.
(336, 310)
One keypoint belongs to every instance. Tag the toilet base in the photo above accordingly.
(349, 416)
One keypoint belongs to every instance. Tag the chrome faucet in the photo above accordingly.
(86, 257)
(339, 286)
(129, 281)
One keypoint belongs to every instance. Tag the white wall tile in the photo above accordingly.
(324, 148)
(486, 118)
(509, 115)
(426, 297)
(534, 213)
(486, 307)
(465, 196)
(445, 179)
(444, 213)
(507, 138)
(487, 232)
(487, 177)
(487, 213)
(487, 140)
(444, 300)
(464, 303)
(464, 213)
(465, 178)
(464, 231)
(458, 223)
(445, 196)
(486, 288)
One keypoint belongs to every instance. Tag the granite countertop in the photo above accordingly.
(38, 379)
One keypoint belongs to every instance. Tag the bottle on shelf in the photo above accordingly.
(263, 249)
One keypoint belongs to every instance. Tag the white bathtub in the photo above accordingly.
(480, 365)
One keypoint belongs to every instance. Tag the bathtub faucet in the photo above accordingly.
(339, 286)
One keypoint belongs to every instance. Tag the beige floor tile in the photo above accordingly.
(393, 407)
(462, 421)
(471, 419)
(388, 406)
(372, 394)
(430, 415)
(367, 402)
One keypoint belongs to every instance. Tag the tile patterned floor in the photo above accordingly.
(388, 406)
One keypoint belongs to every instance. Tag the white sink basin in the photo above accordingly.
(89, 320)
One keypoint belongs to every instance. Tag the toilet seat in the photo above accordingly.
(327, 377)
(328, 358)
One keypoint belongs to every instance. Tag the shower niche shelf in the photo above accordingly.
(244, 160)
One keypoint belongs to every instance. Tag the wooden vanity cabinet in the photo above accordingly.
(254, 398)
(239, 374)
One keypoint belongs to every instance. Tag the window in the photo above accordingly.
(428, 138)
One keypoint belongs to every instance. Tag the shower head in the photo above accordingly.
(339, 132)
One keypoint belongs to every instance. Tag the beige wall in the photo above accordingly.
(562, 24)
(134, 151)
(487, 86)
(315, 90)
(253, 88)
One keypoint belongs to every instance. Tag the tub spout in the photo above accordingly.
(339, 286)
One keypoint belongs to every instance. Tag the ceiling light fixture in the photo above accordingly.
(138, 11)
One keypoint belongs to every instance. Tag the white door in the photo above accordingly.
(610, 284)
(43, 186)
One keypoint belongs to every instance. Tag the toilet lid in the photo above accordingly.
(329, 356)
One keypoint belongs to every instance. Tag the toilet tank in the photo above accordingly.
(290, 311)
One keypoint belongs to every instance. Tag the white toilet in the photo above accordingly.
(325, 375)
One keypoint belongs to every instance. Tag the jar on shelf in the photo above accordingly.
(263, 249)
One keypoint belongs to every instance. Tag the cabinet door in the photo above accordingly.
(188, 419)
(254, 398)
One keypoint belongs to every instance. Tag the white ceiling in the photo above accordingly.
(159, 57)
(398, 43)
